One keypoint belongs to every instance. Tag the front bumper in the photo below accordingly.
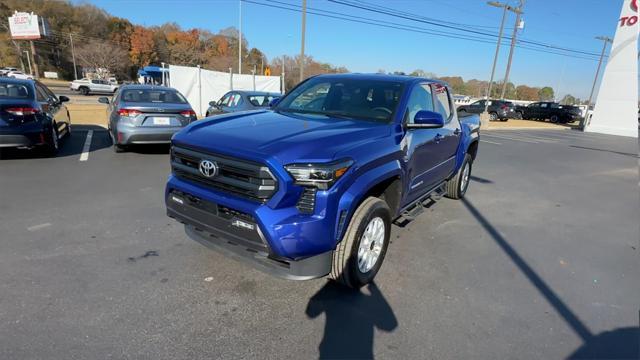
(212, 225)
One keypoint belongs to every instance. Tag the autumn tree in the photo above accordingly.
(525, 92)
(569, 100)
(546, 94)
(104, 57)
(455, 82)
(143, 49)
(184, 47)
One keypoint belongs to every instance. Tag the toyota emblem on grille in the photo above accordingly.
(208, 168)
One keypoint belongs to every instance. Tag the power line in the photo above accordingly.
(398, 26)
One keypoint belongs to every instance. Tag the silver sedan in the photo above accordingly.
(144, 114)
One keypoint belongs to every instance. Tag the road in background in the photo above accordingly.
(539, 261)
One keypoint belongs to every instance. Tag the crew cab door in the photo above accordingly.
(429, 153)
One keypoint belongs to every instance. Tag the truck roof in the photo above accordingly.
(387, 77)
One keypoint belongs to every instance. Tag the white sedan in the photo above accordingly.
(19, 75)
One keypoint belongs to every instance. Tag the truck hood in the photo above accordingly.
(286, 137)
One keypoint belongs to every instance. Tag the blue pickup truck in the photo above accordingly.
(312, 186)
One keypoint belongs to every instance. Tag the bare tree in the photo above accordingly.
(103, 57)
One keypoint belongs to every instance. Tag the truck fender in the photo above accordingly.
(357, 191)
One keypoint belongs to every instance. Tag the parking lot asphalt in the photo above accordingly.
(539, 261)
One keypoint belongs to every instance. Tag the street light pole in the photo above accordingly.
(240, 37)
(73, 57)
(605, 40)
(518, 12)
(495, 57)
(304, 21)
(28, 61)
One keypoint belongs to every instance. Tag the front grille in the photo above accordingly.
(243, 178)
(307, 202)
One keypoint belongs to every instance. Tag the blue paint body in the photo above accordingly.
(379, 151)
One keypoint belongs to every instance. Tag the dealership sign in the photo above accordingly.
(27, 26)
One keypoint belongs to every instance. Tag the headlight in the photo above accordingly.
(321, 176)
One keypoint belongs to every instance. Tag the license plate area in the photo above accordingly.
(161, 121)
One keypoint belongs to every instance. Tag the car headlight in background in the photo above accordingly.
(321, 176)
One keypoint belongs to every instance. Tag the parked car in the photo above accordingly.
(552, 111)
(32, 116)
(498, 109)
(240, 101)
(19, 75)
(311, 187)
(146, 114)
(95, 86)
(5, 70)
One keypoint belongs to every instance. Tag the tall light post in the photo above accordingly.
(73, 57)
(605, 41)
(304, 21)
(518, 12)
(28, 61)
(240, 37)
(495, 57)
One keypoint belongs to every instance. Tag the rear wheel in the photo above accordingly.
(493, 116)
(360, 254)
(554, 119)
(53, 145)
(84, 91)
(457, 185)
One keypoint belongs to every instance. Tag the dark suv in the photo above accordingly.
(498, 109)
(550, 110)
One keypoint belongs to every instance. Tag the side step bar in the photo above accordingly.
(412, 211)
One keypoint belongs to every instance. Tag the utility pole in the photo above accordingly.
(283, 74)
(240, 37)
(495, 57)
(35, 60)
(28, 61)
(304, 21)
(605, 40)
(518, 12)
(73, 57)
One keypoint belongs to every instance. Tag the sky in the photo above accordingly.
(367, 48)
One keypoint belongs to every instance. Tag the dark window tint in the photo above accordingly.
(260, 100)
(16, 91)
(154, 96)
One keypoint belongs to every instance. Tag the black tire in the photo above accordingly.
(504, 119)
(554, 119)
(84, 91)
(519, 115)
(117, 148)
(456, 187)
(344, 268)
(493, 116)
(53, 142)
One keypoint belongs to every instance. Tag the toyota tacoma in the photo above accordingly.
(312, 186)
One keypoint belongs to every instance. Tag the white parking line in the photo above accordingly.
(87, 146)
(490, 142)
(511, 138)
(38, 227)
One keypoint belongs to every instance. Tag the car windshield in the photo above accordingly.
(373, 100)
(154, 96)
(260, 100)
(15, 91)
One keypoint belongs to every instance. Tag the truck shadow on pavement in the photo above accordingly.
(621, 343)
(350, 319)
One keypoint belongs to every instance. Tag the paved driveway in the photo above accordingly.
(539, 261)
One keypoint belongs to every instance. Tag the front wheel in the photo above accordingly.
(493, 116)
(554, 119)
(457, 185)
(360, 254)
(84, 91)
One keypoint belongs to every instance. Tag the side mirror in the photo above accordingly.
(63, 98)
(426, 119)
(213, 104)
(274, 102)
(103, 100)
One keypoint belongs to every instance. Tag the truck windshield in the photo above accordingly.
(154, 96)
(372, 100)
